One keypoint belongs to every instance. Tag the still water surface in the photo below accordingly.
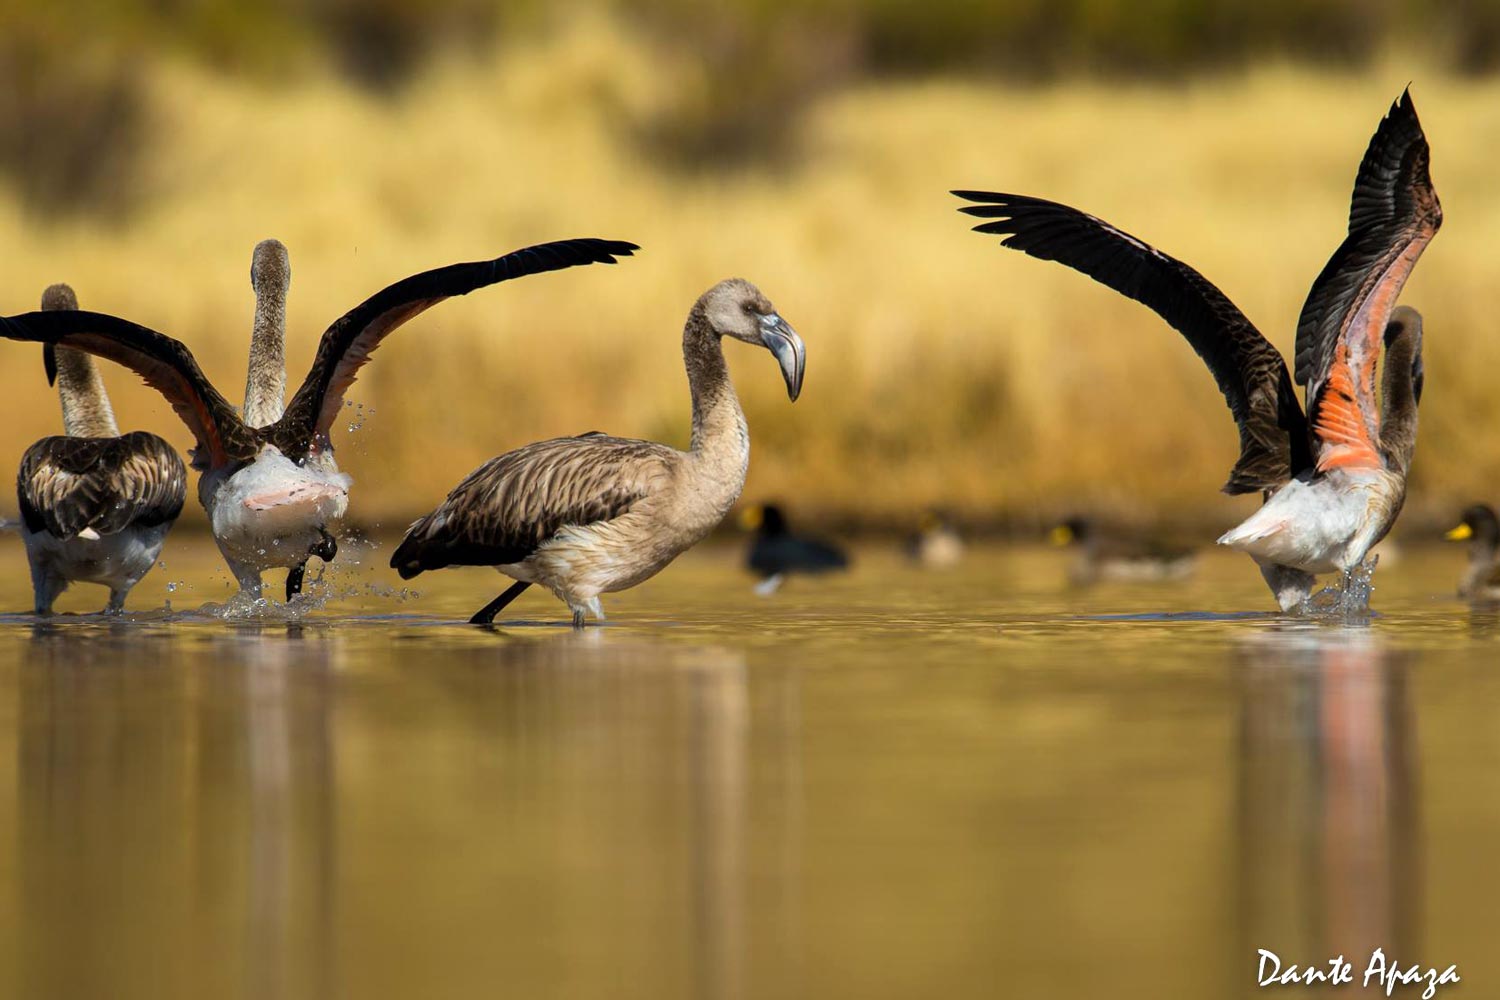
(897, 783)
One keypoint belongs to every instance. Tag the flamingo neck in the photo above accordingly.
(265, 386)
(85, 405)
(721, 439)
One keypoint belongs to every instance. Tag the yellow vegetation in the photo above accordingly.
(942, 369)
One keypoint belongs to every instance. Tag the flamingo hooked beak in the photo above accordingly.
(778, 337)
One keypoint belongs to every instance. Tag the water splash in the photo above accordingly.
(325, 584)
(360, 415)
(355, 550)
(1348, 600)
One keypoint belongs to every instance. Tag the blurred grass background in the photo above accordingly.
(144, 149)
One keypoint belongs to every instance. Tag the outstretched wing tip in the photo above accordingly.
(1001, 216)
(998, 227)
(986, 201)
(576, 251)
(1404, 111)
(610, 249)
(1401, 118)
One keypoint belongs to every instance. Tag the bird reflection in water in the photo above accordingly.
(1328, 810)
(710, 730)
(209, 812)
(175, 812)
(596, 781)
(286, 691)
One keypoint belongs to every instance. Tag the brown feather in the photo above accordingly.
(67, 484)
(512, 505)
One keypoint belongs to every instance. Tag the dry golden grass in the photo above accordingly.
(942, 369)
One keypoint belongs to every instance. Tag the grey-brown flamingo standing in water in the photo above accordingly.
(273, 493)
(595, 514)
(1333, 479)
(96, 505)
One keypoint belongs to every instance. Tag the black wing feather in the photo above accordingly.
(1248, 369)
(164, 363)
(347, 344)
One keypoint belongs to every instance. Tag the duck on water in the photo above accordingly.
(268, 480)
(777, 551)
(1480, 527)
(1120, 557)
